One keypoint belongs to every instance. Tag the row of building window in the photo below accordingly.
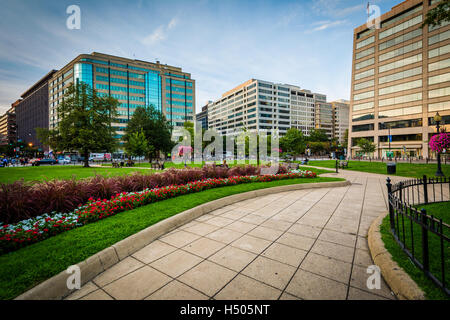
(178, 96)
(121, 81)
(400, 87)
(398, 112)
(179, 83)
(402, 38)
(404, 74)
(179, 110)
(400, 51)
(400, 75)
(400, 63)
(177, 89)
(365, 63)
(400, 27)
(117, 88)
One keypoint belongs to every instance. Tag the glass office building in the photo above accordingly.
(400, 79)
(134, 83)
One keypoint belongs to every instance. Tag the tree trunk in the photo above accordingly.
(86, 158)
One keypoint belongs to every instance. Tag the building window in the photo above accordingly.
(413, 123)
(400, 87)
(400, 63)
(400, 112)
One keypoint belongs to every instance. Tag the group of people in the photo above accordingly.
(13, 162)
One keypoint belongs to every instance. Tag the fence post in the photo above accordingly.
(425, 188)
(337, 166)
(391, 208)
(401, 189)
(425, 253)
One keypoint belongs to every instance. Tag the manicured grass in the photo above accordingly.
(23, 269)
(42, 173)
(416, 170)
(439, 210)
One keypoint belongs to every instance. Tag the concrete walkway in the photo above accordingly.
(305, 244)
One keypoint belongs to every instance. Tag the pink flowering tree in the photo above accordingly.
(439, 142)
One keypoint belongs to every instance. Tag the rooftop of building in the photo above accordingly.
(395, 10)
(38, 84)
(135, 62)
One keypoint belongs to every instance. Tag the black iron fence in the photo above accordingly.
(424, 238)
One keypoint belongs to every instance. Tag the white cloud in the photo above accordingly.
(160, 33)
(327, 24)
(172, 24)
(333, 8)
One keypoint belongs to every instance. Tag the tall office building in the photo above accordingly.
(32, 111)
(341, 109)
(8, 133)
(324, 118)
(202, 116)
(262, 105)
(134, 83)
(400, 79)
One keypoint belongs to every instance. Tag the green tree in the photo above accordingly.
(293, 142)
(156, 129)
(318, 147)
(317, 135)
(438, 15)
(366, 146)
(137, 144)
(85, 123)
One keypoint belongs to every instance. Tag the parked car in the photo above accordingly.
(32, 161)
(65, 160)
(44, 161)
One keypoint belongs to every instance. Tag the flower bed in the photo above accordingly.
(14, 236)
(21, 200)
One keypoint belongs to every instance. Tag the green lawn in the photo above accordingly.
(22, 269)
(416, 170)
(439, 210)
(42, 173)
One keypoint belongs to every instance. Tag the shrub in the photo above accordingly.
(20, 200)
(15, 236)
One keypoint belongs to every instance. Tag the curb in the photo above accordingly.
(55, 288)
(398, 280)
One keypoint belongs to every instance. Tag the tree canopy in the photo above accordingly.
(137, 144)
(317, 135)
(366, 146)
(156, 129)
(438, 15)
(293, 142)
(85, 123)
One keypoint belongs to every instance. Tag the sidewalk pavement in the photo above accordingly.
(305, 244)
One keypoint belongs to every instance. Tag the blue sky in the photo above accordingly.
(221, 43)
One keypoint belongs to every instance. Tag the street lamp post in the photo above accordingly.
(438, 120)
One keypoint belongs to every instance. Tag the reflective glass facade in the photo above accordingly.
(134, 83)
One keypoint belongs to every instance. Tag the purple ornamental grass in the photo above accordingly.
(21, 200)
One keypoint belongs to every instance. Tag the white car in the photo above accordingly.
(64, 160)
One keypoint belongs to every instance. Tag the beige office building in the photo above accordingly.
(341, 109)
(400, 79)
(257, 105)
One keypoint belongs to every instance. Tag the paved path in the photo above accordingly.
(305, 244)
